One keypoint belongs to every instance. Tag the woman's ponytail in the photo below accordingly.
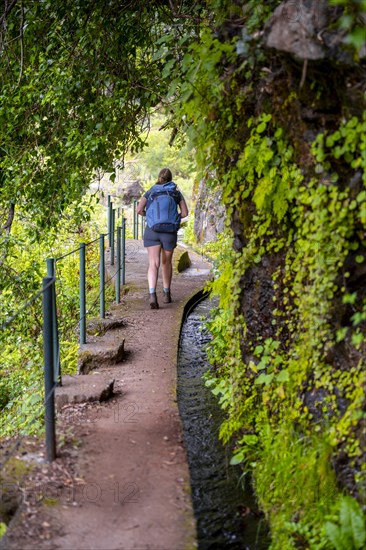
(165, 176)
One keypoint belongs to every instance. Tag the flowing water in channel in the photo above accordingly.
(225, 512)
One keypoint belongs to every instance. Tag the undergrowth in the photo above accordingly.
(21, 355)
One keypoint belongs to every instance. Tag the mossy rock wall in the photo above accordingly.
(281, 117)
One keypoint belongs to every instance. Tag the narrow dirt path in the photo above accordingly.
(131, 484)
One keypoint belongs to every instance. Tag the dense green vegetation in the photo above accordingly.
(21, 352)
(288, 347)
(282, 138)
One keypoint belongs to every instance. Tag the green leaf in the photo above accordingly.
(357, 339)
(250, 440)
(261, 127)
(357, 38)
(283, 376)
(336, 537)
(173, 86)
(352, 522)
(168, 68)
(258, 350)
(350, 298)
(341, 334)
(264, 379)
(237, 458)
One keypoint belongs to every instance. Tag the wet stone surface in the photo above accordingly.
(226, 514)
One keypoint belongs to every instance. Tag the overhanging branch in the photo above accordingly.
(21, 43)
(7, 226)
(7, 11)
(177, 13)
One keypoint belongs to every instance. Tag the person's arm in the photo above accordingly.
(183, 208)
(141, 206)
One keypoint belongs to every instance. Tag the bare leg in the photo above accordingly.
(167, 268)
(154, 264)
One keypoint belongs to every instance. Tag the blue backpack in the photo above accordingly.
(162, 208)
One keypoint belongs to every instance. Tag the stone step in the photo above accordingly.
(83, 389)
(104, 352)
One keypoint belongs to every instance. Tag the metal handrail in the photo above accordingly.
(51, 348)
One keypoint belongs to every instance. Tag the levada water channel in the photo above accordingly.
(224, 506)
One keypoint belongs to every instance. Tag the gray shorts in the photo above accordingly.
(168, 241)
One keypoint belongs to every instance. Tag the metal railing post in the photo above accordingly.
(123, 251)
(109, 219)
(113, 223)
(110, 214)
(134, 220)
(137, 222)
(102, 276)
(118, 273)
(51, 272)
(82, 295)
(48, 284)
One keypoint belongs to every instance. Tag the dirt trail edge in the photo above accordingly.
(130, 484)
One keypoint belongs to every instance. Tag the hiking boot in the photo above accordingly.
(167, 297)
(153, 301)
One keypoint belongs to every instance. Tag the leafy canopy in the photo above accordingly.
(77, 82)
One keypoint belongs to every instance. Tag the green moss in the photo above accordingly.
(181, 261)
(11, 479)
(48, 501)
(15, 470)
(85, 356)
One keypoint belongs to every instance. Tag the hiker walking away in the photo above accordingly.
(164, 207)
